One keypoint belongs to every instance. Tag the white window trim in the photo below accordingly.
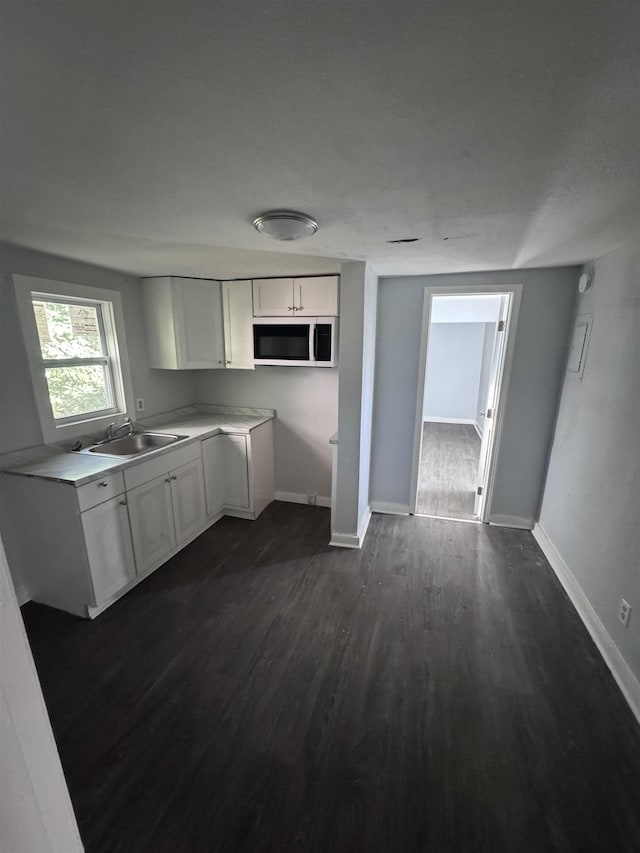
(24, 287)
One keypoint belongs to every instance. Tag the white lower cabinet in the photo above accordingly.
(238, 472)
(187, 498)
(151, 517)
(107, 537)
(93, 542)
(165, 512)
(215, 482)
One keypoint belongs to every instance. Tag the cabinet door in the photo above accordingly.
(198, 324)
(215, 486)
(238, 324)
(237, 471)
(273, 297)
(108, 541)
(187, 496)
(316, 297)
(151, 517)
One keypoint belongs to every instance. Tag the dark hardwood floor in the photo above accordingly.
(435, 691)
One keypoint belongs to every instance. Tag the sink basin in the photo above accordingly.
(132, 445)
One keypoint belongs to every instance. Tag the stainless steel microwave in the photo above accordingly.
(296, 342)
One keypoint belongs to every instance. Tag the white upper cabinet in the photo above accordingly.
(184, 323)
(238, 326)
(316, 296)
(273, 297)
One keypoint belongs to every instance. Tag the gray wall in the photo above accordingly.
(485, 373)
(306, 400)
(452, 381)
(162, 390)
(358, 309)
(540, 352)
(591, 506)
(368, 377)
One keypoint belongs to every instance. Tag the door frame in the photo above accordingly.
(514, 291)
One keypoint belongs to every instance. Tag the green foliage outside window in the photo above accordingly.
(68, 331)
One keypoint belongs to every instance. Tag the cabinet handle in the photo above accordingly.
(104, 484)
(167, 479)
(290, 308)
(174, 477)
(123, 503)
(227, 362)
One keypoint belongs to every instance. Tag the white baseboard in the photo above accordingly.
(344, 540)
(298, 498)
(353, 540)
(620, 669)
(390, 508)
(22, 594)
(363, 525)
(516, 521)
(434, 420)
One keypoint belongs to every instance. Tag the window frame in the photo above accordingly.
(110, 301)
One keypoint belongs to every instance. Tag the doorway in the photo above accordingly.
(466, 350)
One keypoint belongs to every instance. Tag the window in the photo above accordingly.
(75, 341)
(75, 356)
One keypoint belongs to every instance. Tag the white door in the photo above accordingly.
(237, 471)
(151, 517)
(273, 297)
(237, 304)
(214, 473)
(108, 539)
(199, 328)
(316, 297)
(187, 496)
(493, 394)
(35, 809)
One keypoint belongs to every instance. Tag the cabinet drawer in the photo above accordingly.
(143, 472)
(98, 491)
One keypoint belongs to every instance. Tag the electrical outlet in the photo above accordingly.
(311, 498)
(624, 613)
(139, 404)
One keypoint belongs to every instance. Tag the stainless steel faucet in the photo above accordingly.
(113, 430)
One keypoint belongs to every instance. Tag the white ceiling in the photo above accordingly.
(145, 136)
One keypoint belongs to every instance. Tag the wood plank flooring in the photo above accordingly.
(448, 470)
(435, 691)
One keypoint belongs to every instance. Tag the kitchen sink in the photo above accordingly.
(132, 445)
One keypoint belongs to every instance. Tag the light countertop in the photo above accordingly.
(80, 468)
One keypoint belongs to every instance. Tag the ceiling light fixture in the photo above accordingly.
(285, 224)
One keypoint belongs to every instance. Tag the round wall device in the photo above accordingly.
(585, 282)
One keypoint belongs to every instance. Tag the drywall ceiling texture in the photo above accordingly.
(540, 351)
(591, 503)
(146, 136)
(162, 390)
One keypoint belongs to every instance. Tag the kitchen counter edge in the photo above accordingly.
(195, 429)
